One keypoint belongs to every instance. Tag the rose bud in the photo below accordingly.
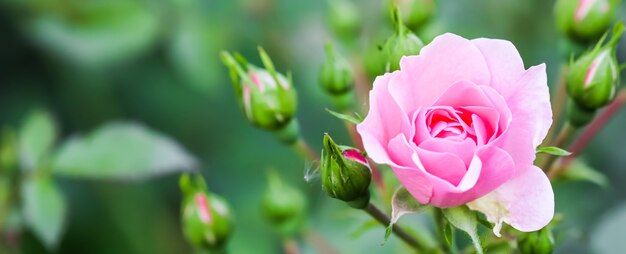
(593, 78)
(345, 174)
(344, 19)
(336, 77)
(266, 97)
(375, 61)
(284, 206)
(402, 43)
(584, 20)
(206, 217)
(415, 13)
(539, 242)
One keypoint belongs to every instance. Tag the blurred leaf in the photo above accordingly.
(608, 235)
(121, 151)
(402, 203)
(194, 47)
(44, 209)
(105, 33)
(579, 171)
(353, 119)
(553, 150)
(464, 219)
(36, 138)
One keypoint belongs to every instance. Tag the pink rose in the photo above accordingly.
(459, 124)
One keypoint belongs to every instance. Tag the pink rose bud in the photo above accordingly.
(459, 125)
(593, 79)
(585, 20)
(402, 43)
(345, 174)
(284, 206)
(266, 97)
(206, 218)
(415, 13)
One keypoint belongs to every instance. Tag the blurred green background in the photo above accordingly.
(157, 63)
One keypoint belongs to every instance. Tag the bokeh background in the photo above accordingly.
(157, 63)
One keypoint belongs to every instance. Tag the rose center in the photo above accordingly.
(450, 123)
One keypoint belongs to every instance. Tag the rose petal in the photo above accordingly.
(526, 202)
(531, 115)
(504, 63)
(411, 177)
(446, 166)
(495, 168)
(440, 64)
(384, 121)
(464, 149)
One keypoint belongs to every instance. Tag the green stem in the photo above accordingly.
(381, 217)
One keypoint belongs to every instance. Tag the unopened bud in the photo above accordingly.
(415, 13)
(584, 20)
(336, 77)
(538, 242)
(344, 19)
(402, 43)
(266, 96)
(593, 78)
(345, 174)
(283, 205)
(206, 217)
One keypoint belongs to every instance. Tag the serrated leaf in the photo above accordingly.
(553, 150)
(121, 151)
(402, 203)
(353, 119)
(44, 209)
(36, 137)
(464, 219)
(579, 171)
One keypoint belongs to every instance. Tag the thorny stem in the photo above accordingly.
(381, 217)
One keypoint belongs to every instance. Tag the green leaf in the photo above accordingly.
(121, 151)
(402, 203)
(579, 171)
(353, 119)
(464, 219)
(36, 138)
(553, 150)
(44, 209)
